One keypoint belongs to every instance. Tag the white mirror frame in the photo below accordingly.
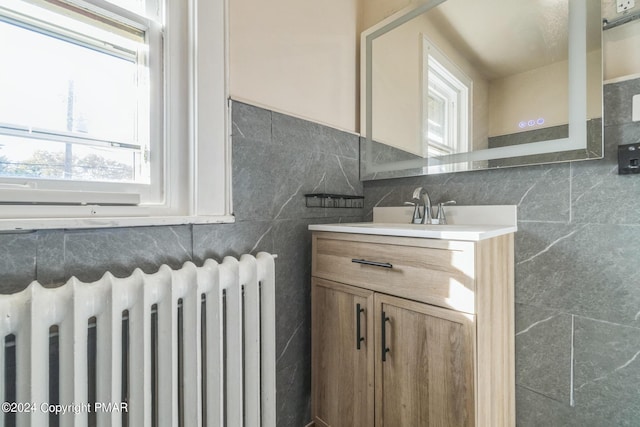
(577, 139)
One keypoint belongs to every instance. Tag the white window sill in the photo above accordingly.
(8, 225)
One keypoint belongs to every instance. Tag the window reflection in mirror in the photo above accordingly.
(445, 105)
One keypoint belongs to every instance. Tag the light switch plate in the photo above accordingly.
(635, 108)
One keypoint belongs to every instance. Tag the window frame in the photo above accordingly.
(69, 192)
(456, 89)
(193, 112)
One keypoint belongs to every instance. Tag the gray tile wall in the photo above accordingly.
(577, 256)
(577, 274)
(276, 160)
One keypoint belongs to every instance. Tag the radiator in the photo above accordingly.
(189, 347)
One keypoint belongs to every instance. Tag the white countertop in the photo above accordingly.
(447, 232)
(493, 221)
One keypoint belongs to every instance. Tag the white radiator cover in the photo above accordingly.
(240, 391)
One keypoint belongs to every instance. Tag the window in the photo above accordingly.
(100, 105)
(446, 103)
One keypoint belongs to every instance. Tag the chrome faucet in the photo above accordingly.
(426, 205)
(420, 195)
(441, 218)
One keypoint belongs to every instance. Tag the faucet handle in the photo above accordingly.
(416, 212)
(441, 218)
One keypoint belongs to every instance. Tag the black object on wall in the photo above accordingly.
(629, 159)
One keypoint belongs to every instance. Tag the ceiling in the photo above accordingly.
(505, 37)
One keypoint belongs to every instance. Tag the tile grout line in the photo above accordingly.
(570, 192)
(193, 252)
(64, 253)
(572, 402)
(36, 257)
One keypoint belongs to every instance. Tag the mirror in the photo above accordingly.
(460, 85)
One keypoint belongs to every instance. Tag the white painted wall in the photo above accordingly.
(298, 57)
(398, 92)
(374, 11)
(540, 93)
(302, 58)
(622, 52)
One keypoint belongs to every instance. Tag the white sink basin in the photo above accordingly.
(464, 223)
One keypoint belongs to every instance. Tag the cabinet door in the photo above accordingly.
(424, 365)
(342, 355)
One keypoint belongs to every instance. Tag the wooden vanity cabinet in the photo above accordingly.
(343, 353)
(426, 376)
(412, 332)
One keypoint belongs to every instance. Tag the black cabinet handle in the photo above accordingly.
(359, 338)
(385, 349)
(373, 263)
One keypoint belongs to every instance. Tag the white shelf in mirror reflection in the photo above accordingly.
(472, 223)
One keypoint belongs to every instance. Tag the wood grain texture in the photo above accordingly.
(439, 274)
(342, 375)
(475, 278)
(428, 376)
(496, 332)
